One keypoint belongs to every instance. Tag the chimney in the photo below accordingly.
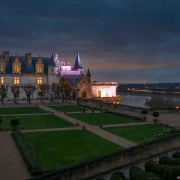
(28, 57)
(6, 55)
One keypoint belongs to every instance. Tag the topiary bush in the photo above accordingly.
(176, 155)
(137, 173)
(118, 175)
(14, 123)
(166, 172)
(166, 160)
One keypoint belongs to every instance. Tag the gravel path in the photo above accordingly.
(12, 166)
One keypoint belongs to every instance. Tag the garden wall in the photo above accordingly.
(116, 160)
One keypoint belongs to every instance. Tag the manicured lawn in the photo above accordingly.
(102, 118)
(68, 108)
(21, 110)
(137, 133)
(63, 148)
(35, 122)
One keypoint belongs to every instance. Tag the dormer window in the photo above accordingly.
(39, 66)
(16, 66)
(2, 66)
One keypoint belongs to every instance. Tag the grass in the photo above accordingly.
(102, 118)
(137, 133)
(35, 122)
(68, 108)
(63, 148)
(21, 110)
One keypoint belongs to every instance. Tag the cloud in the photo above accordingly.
(118, 35)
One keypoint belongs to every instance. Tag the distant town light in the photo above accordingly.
(177, 107)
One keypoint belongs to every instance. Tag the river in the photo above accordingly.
(137, 100)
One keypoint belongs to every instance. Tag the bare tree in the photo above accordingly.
(44, 92)
(3, 93)
(66, 90)
(16, 91)
(29, 90)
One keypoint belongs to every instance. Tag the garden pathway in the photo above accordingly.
(126, 124)
(12, 166)
(94, 129)
(50, 129)
(39, 114)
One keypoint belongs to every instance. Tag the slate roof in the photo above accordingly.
(74, 79)
(88, 73)
(77, 64)
(29, 68)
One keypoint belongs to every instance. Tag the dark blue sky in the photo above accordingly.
(123, 40)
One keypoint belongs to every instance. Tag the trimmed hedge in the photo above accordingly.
(166, 160)
(166, 172)
(176, 155)
(137, 173)
(118, 175)
(32, 163)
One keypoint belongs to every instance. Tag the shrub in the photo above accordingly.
(14, 123)
(118, 175)
(144, 112)
(176, 155)
(166, 160)
(166, 172)
(137, 173)
(155, 114)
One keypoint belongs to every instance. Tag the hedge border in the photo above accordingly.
(31, 161)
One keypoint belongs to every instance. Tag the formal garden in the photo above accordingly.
(141, 133)
(166, 168)
(51, 150)
(44, 151)
(34, 122)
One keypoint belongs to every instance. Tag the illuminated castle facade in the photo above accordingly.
(20, 70)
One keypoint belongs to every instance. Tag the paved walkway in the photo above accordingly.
(126, 124)
(12, 166)
(39, 114)
(96, 130)
(50, 129)
(77, 112)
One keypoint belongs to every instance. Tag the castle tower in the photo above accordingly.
(78, 66)
(88, 75)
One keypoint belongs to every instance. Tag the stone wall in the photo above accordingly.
(115, 161)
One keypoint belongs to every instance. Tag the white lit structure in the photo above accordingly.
(104, 89)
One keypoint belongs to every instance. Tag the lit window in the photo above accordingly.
(2, 80)
(39, 69)
(39, 80)
(16, 68)
(2, 68)
(16, 80)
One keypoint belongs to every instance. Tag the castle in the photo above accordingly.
(20, 70)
